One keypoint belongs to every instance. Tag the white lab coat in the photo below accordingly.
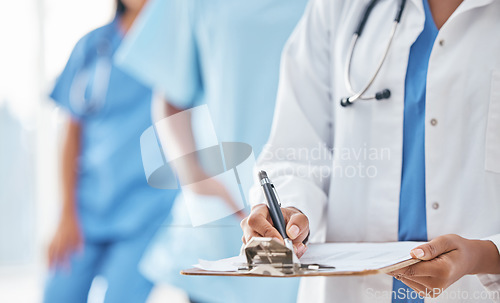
(462, 135)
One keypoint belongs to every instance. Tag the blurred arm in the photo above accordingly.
(71, 150)
(177, 138)
(68, 238)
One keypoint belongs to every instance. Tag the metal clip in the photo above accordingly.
(266, 253)
(268, 256)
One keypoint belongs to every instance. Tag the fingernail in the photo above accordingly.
(418, 253)
(293, 231)
(301, 249)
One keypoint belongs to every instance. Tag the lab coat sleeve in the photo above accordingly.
(297, 155)
(160, 51)
(492, 282)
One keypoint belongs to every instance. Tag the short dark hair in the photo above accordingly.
(120, 7)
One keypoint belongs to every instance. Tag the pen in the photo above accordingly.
(274, 206)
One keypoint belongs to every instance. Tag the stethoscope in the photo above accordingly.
(385, 93)
(84, 103)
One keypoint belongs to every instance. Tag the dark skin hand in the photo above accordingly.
(445, 260)
(66, 241)
(259, 224)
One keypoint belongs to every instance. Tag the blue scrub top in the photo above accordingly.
(113, 197)
(225, 54)
(412, 210)
(222, 53)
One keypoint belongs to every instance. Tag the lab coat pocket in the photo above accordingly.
(492, 148)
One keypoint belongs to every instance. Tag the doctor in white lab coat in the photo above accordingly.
(338, 169)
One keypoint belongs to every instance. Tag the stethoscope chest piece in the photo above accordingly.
(381, 95)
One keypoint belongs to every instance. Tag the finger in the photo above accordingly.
(432, 268)
(409, 272)
(259, 223)
(298, 227)
(433, 274)
(243, 225)
(300, 249)
(434, 248)
(261, 209)
(248, 233)
(249, 236)
(420, 289)
(55, 252)
(418, 270)
(68, 251)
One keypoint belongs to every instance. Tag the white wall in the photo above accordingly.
(36, 38)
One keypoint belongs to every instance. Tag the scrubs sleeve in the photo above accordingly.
(161, 52)
(492, 282)
(297, 156)
(62, 89)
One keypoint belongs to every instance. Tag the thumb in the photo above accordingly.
(431, 250)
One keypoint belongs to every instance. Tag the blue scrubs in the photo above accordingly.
(412, 210)
(118, 211)
(225, 54)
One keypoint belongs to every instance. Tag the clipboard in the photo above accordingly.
(267, 257)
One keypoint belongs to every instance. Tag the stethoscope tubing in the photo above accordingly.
(79, 103)
(385, 94)
(347, 72)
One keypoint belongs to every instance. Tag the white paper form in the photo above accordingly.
(343, 256)
(229, 264)
(358, 256)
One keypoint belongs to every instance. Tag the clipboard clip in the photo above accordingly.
(268, 256)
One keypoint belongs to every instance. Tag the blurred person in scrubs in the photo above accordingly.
(225, 54)
(109, 212)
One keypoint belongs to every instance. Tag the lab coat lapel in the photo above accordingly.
(418, 4)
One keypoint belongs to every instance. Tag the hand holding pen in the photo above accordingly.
(265, 223)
